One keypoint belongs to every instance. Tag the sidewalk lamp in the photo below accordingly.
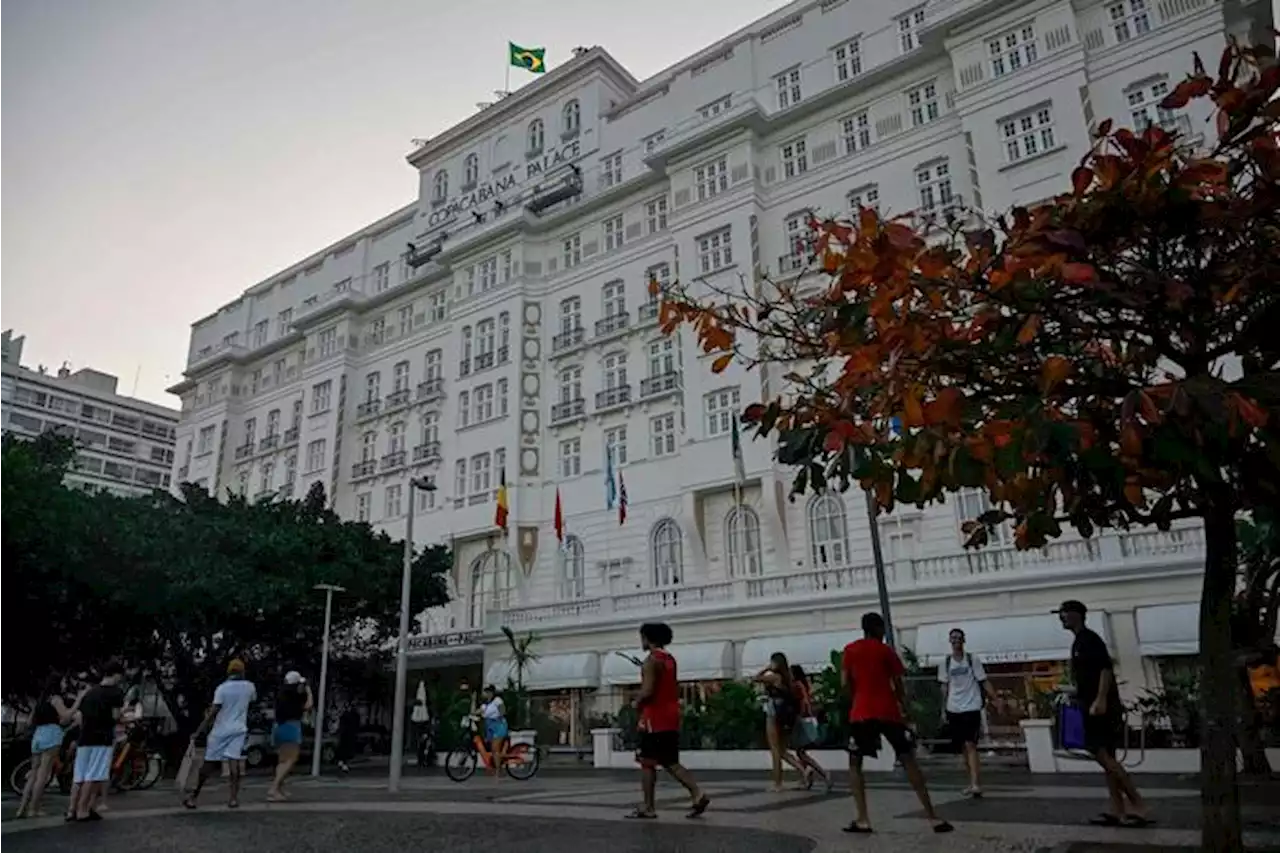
(426, 484)
(329, 590)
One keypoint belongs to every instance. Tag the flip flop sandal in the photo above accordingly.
(1105, 819)
(1133, 821)
(699, 807)
(855, 829)
(945, 826)
(641, 814)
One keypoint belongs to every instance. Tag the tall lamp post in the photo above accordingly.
(427, 484)
(329, 590)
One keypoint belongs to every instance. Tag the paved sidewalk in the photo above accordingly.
(585, 812)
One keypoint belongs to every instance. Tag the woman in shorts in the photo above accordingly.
(47, 718)
(292, 703)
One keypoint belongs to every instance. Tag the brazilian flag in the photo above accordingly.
(529, 58)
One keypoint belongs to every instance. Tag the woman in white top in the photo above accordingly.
(494, 712)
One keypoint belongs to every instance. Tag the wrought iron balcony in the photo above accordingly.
(291, 435)
(269, 442)
(464, 367)
(612, 323)
(504, 355)
(484, 360)
(563, 412)
(648, 312)
(567, 340)
(244, 451)
(611, 397)
(368, 408)
(431, 388)
(394, 459)
(654, 385)
(427, 452)
(367, 468)
(396, 399)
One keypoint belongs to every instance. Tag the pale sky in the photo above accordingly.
(160, 156)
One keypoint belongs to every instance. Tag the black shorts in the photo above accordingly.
(659, 749)
(864, 738)
(965, 727)
(1104, 733)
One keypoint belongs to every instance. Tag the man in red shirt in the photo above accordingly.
(659, 707)
(872, 672)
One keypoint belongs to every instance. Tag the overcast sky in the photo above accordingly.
(160, 156)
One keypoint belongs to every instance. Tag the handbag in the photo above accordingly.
(184, 769)
(1071, 727)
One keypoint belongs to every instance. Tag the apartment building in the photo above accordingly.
(125, 445)
(500, 329)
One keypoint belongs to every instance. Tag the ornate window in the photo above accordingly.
(828, 532)
(742, 534)
(667, 553)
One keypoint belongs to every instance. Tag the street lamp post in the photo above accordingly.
(329, 590)
(877, 555)
(427, 484)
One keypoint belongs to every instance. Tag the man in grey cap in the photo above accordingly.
(1098, 696)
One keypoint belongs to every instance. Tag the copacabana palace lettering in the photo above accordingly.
(494, 189)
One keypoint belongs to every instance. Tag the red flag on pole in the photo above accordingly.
(502, 511)
(559, 519)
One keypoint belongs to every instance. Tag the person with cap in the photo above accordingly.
(1098, 696)
(224, 729)
(292, 702)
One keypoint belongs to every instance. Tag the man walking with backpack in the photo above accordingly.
(965, 686)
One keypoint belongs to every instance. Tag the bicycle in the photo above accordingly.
(521, 761)
(60, 774)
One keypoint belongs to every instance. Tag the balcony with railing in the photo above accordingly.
(612, 324)
(396, 399)
(484, 360)
(393, 460)
(663, 383)
(648, 312)
(464, 367)
(569, 410)
(269, 442)
(504, 354)
(832, 586)
(244, 451)
(364, 468)
(568, 340)
(611, 398)
(286, 490)
(291, 435)
(431, 389)
(183, 473)
(368, 409)
(427, 452)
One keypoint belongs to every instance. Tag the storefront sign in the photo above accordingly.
(439, 641)
(491, 190)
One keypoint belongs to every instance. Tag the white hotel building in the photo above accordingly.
(518, 336)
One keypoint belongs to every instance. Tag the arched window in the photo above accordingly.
(471, 170)
(491, 583)
(441, 187)
(828, 534)
(573, 565)
(572, 118)
(536, 135)
(742, 535)
(667, 553)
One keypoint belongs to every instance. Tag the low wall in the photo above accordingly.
(1043, 757)
(606, 757)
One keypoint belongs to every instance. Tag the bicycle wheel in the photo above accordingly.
(154, 772)
(18, 778)
(460, 764)
(139, 765)
(522, 761)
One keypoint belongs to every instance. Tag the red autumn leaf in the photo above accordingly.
(1078, 273)
(1028, 331)
(753, 413)
(1053, 371)
(1081, 178)
(1130, 441)
(945, 409)
(1133, 492)
(900, 236)
(1067, 239)
(912, 411)
(1150, 411)
(1203, 172)
(834, 443)
(1104, 129)
(721, 363)
(1250, 412)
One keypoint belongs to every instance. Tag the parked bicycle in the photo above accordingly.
(520, 762)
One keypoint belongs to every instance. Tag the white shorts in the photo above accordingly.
(225, 746)
(93, 764)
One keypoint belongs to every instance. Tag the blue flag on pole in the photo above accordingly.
(610, 482)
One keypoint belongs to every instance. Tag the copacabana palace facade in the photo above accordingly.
(500, 328)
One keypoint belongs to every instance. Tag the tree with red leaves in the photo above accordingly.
(1106, 359)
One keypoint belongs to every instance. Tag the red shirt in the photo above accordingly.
(662, 712)
(870, 667)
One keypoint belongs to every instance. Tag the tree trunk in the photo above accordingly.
(1219, 687)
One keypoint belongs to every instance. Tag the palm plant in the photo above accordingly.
(522, 657)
